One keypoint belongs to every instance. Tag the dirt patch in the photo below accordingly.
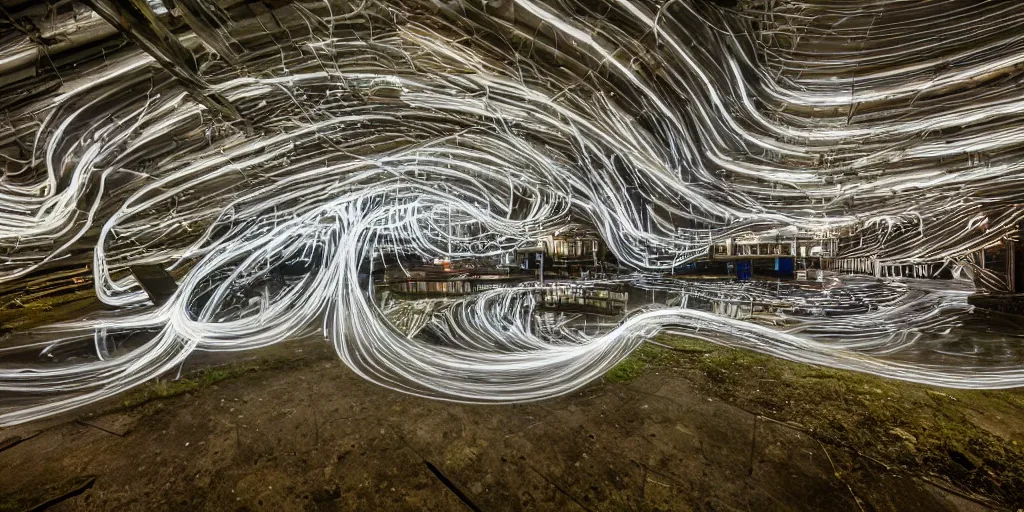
(965, 440)
(201, 379)
(293, 429)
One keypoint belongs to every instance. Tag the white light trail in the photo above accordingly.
(407, 126)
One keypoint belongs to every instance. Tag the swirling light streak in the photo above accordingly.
(470, 130)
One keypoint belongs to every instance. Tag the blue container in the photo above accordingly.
(784, 265)
(744, 270)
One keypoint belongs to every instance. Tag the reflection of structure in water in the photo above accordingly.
(453, 287)
(606, 301)
(732, 309)
(438, 280)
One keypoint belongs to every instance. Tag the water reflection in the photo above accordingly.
(909, 320)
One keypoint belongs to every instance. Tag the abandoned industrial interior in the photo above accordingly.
(512, 255)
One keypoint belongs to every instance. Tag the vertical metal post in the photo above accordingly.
(543, 252)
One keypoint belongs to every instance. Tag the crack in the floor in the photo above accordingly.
(451, 486)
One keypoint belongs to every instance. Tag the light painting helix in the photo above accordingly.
(467, 130)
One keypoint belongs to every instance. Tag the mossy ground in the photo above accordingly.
(923, 431)
(162, 388)
(201, 379)
(297, 408)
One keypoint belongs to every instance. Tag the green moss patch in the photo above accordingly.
(195, 381)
